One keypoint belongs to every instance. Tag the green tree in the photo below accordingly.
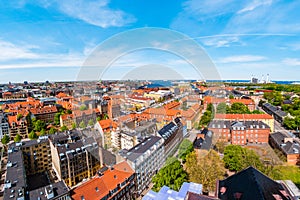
(52, 131)
(172, 176)
(73, 126)
(98, 119)
(220, 146)
(5, 139)
(221, 108)
(69, 112)
(32, 135)
(57, 118)
(233, 157)
(205, 169)
(64, 128)
(257, 112)
(42, 132)
(289, 123)
(237, 158)
(83, 107)
(170, 161)
(231, 96)
(91, 122)
(82, 124)
(19, 116)
(39, 125)
(17, 138)
(239, 108)
(185, 147)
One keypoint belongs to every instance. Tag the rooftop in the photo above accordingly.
(48, 192)
(287, 144)
(138, 150)
(106, 181)
(262, 187)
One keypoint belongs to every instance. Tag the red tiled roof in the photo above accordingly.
(66, 116)
(14, 118)
(99, 186)
(107, 123)
(171, 105)
(243, 116)
(61, 95)
(43, 110)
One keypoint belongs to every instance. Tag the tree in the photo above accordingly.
(172, 176)
(205, 169)
(239, 108)
(5, 139)
(289, 123)
(39, 125)
(237, 158)
(17, 138)
(220, 145)
(64, 128)
(32, 135)
(91, 122)
(98, 119)
(231, 96)
(221, 108)
(83, 107)
(19, 116)
(257, 112)
(52, 131)
(69, 111)
(82, 124)
(42, 132)
(233, 158)
(184, 149)
(57, 118)
(73, 126)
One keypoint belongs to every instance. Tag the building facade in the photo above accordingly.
(240, 132)
(36, 155)
(4, 127)
(74, 158)
(146, 159)
(289, 146)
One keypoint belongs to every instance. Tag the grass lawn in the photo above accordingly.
(289, 173)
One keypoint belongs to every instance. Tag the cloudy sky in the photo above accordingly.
(51, 39)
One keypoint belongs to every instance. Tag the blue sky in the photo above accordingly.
(50, 39)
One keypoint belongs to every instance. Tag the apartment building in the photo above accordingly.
(36, 155)
(240, 132)
(16, 185)
(266, 118)
(146, 159)
(17, 126)
(4, 127)
(45, 114)
(172, 134)
(289, 146)
(74, 158)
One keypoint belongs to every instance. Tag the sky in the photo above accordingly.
(52, 39)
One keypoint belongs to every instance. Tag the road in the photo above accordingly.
(278, 127)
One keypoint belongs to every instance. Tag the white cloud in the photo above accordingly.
(11, 51)
(221, 41)
(208, 8)
(254, 4)
(291, 61)
(22, 56)
(242, 59)
(95, 12)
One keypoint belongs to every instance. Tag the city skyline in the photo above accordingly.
(50, 40)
